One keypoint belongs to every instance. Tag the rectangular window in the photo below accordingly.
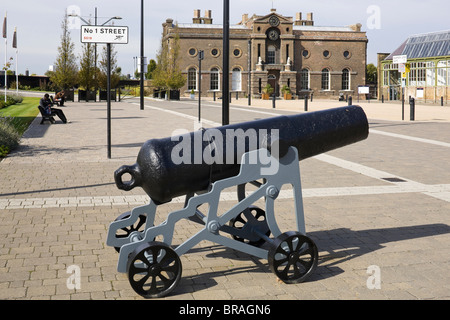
(192, 79)
(345, 79)
(271, 55)
(385, 78)
(325, 79)
(214, 79)
(304, 79)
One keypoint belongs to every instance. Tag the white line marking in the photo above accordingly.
(439, 191)
(401, 136)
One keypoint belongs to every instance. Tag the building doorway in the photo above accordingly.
(272, 79)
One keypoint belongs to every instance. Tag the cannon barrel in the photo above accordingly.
(188, 163)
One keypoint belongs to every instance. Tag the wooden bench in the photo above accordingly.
(46, 117)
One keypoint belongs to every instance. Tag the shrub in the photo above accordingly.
(9, 101)
(4, 150)
(9, 134)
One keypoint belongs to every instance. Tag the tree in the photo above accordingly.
(86, 75)
(115, 70)
(167, 74)
(150, 68)
(65, 75)
(371, 73)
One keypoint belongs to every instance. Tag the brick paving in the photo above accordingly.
(58, 197)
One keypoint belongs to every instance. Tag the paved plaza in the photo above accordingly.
(378, 210)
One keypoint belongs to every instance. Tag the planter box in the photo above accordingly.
(84, 95)
(104, 95)
(265, 96)
(288, 96)
(174, 94)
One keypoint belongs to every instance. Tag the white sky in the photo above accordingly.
(387, 22)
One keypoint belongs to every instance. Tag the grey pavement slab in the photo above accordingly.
(58, 197)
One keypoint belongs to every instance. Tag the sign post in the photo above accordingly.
(403, 68)
(201, 56)
(108, 35)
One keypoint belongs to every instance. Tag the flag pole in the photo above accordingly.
(6, 49)
(17, 57)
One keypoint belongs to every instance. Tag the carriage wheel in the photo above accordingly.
(139, 226)
(154, 269)
(251, 218)
(293, 257)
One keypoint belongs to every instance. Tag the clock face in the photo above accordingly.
(274, 21)
(273, 34)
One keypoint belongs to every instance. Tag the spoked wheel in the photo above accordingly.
(293, 257)
(139, 226)
(154, 269)
(248, 220)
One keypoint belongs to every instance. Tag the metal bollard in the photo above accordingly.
(273, 100)
(442, 101)
(412, 109)
(350, 100)
(306, 103)
(382, 98)
(312, 97)
(214, 96)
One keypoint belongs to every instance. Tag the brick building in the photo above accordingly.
(278, 50)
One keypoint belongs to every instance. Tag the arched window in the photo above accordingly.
(304, 79)
(325, 79)
(271, 51)
(345, 79)
(192, 79)
(214, 79)
(236, 80)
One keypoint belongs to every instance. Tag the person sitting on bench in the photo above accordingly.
(59, 98)
(45, 102)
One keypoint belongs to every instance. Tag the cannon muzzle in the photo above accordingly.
(188, 163)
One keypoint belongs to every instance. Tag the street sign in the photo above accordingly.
(401, 67)
(400, 59)
(104, 34)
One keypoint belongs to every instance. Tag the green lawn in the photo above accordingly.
(23, 113)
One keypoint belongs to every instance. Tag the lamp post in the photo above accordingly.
(95, 45)
(142, 58)
(201, 56)
(226, 64)
(108, 82)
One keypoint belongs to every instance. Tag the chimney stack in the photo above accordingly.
(207, 19)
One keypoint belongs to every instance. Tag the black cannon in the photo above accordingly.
(311, 133)
(200, 165)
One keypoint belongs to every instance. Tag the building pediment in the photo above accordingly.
(273, 16)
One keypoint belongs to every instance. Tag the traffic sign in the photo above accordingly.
(104, 34)
(407, 67)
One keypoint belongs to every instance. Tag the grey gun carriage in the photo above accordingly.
(154, 267)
